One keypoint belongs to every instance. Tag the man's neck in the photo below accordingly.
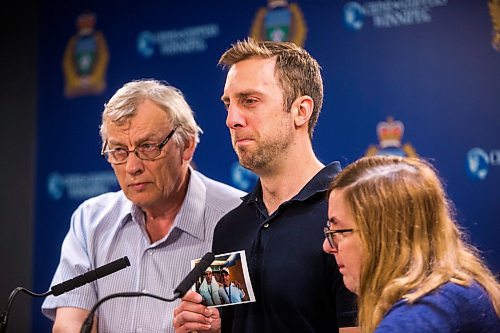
(287, 178)
(158, 226)
(160, 220)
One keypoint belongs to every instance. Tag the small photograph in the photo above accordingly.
(226, 281)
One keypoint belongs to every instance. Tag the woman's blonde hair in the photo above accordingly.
(411, 242)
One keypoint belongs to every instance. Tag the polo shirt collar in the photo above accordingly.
(319, 183)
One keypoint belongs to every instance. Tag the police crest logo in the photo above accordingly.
(279, 21)
(85, 59)
(389, 134)
(494, 7)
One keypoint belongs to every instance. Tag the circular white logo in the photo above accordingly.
(243, 179)
(477, 163)
(55, 185)
(354, 15)
(146, 43)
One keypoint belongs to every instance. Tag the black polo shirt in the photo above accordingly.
(297, 286)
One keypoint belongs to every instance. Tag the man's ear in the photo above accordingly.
(302, 109)
(188, 152)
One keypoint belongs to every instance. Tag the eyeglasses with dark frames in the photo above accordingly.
(146, 151)
(334, 236)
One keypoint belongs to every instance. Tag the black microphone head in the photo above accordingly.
(112, 267)
(90, 276)
(195, 273)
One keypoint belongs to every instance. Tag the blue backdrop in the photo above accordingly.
(425, 72)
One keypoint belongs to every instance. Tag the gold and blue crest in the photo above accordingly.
(494, 7)
(279, 21)
(390, 134)
(85, 59)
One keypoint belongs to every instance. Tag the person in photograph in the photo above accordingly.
(230, 291)
(209, 289)
(273, 96)
(391, 229)
(163, 216)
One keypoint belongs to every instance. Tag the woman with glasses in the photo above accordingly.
(391, 230)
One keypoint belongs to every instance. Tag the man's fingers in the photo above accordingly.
(190, 315)
(192, 296)
(191, 321)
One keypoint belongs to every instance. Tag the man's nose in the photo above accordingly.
(134, 164)
(234, 117)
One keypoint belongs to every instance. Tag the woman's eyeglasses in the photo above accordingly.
(335, 236)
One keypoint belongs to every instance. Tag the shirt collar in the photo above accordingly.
(193, 207)
(319, 183)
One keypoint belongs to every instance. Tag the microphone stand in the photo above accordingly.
(180, 291)
(4, 318)
(66, 286)
(89, 321)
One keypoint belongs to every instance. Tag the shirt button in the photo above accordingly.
(150, 253)
(139, 330)
(266, 225)
(144, 290)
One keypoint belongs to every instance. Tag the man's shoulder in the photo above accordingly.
(240, 213)
(219, 194)
(220, 188)
(100, 213)
(108, 199)
(110, 206)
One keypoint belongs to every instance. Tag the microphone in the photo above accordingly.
(191, 278)
(66, 286)
(90, 276)
(179, 292)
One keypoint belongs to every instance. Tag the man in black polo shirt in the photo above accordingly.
(273, 95)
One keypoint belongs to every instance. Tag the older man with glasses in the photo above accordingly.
(163, 216)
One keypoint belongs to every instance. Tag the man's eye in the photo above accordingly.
(148, 146)
(119, 150)
(249, 101)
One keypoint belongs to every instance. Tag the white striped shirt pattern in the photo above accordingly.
(109, 227)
